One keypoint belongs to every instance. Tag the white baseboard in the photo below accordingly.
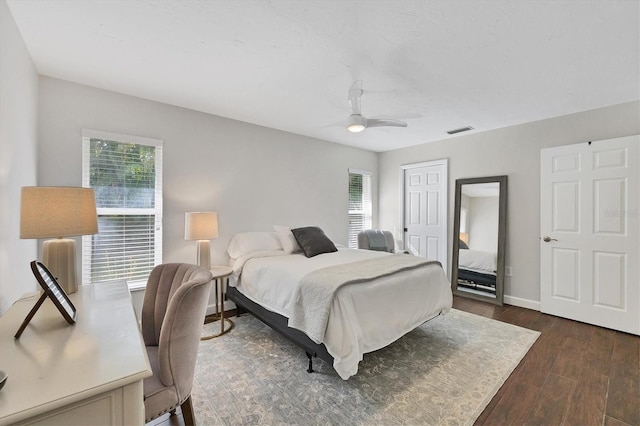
(522, 303)
(228, 306)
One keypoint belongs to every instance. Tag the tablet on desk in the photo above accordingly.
(54, 291)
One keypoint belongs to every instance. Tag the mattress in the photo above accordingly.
(478, 261)
(364, 317)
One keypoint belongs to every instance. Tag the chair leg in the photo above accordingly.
(187, 412)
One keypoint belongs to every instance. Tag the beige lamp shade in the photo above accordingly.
(464, 236)
(200, 225)
(55, 212)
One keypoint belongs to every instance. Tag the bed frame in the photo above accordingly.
(279, 324)
(476, 280)
(477, 277)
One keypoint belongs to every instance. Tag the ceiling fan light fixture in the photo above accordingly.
(357, 123)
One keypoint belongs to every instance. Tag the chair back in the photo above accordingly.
(376, 239)
(173, 311)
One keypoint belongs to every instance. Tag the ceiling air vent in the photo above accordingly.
(460, 130)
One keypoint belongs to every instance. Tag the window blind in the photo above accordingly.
(126, 175)
(360, 208)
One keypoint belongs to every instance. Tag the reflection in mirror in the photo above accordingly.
(479, 236)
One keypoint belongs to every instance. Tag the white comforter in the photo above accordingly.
(364, 317)
(478, 261)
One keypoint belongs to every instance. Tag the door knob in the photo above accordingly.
(546, 239)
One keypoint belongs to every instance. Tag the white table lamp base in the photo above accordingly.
(203, 254)
(59, 256)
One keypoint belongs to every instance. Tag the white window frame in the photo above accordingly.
(367, 208)
(463, 220)
(87, 135)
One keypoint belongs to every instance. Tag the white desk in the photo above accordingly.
(87, 373)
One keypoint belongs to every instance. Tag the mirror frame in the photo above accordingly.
(502, 235)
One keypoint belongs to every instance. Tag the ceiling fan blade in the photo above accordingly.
(357, 122)
(399, 116)
(355, 92)
(356, 86)
(372, 122)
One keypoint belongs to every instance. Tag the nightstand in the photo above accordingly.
(220, 281)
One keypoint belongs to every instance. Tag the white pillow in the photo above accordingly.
(288, 241)
(245, 243)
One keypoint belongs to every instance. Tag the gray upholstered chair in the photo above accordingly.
(376, 239)
(173, 311)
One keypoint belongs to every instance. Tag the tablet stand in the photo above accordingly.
(52, 290)
(32, 312)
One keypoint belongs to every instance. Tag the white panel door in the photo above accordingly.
(590, 243)
(425, 210)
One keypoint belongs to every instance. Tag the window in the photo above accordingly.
(463, 219)
(359, 204)
(126, 175)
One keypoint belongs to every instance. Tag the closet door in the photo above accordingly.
(425, 209)
(590, 241)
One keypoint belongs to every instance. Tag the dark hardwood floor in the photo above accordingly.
(575, 374)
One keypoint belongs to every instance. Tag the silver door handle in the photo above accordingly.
(546, 239)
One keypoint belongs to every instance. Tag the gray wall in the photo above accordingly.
(18, 126)
(512, 151)
(483, 223)
(254, 177)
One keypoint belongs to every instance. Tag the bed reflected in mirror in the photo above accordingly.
(479, 238)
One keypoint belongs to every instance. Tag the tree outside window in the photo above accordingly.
(126, 178)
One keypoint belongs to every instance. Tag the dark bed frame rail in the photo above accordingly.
(488, 280)
(477, 281)
(279, 324)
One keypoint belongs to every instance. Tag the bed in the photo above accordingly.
(376, 297)
(477, 269)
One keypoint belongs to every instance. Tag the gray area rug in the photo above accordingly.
(444, 372)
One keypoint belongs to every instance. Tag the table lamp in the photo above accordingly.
(201, 226)
(58, 212)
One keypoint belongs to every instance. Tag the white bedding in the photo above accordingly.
(477, 260)
(364, 317)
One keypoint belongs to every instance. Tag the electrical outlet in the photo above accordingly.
(507, 271)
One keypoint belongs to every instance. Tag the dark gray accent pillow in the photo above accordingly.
(462, 245)
(313, 241)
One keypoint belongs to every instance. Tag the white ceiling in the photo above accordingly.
(288, 65)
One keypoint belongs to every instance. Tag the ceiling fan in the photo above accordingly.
(357, 122)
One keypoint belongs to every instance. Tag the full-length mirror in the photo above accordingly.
(479, 233)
